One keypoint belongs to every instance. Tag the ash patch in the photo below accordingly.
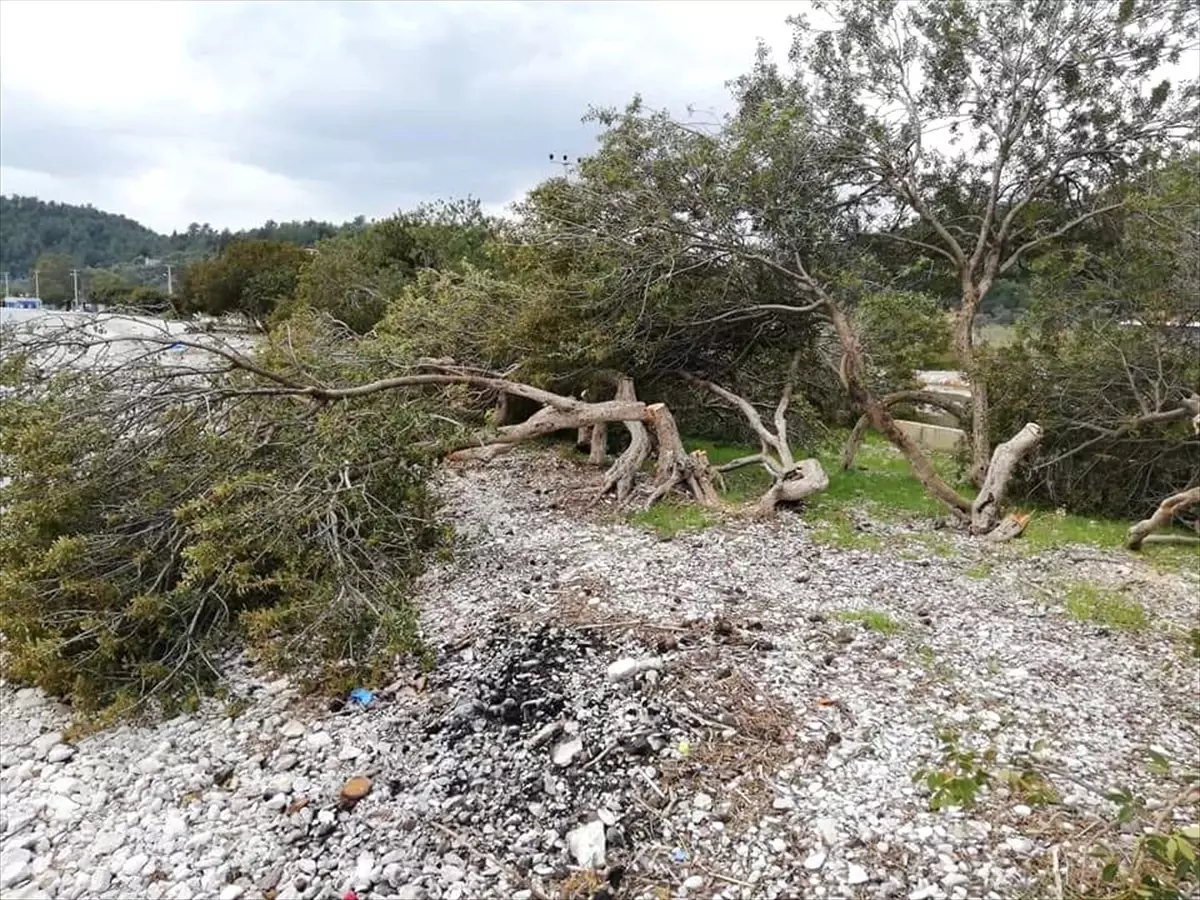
(540, 741)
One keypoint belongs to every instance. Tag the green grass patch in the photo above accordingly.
(979, 571)
(872, 619)
(669, 519)
(882, 485)
(1103, 606)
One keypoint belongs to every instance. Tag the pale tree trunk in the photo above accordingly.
(598, 441)
(987, 509)
(503, 409)
(1167, 510)
(804, 479)
(548, 420)
(793, 481)
(621, 474)
(881, 419)
(964, 352)
(583, 439)
(675, 467)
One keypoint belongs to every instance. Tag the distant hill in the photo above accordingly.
(30, 227)
(94, 239)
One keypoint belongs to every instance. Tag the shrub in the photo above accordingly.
(147, 532)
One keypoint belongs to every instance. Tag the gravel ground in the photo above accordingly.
(613, 715)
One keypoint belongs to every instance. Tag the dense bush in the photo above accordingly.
(1072, 393)
(143, 539)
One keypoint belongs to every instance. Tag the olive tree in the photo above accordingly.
(992, 127)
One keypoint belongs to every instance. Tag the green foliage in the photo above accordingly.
(1104, 606)
(355, 276)
(142, 543)
(901, 332)
(1164, 863)
(31, 228)
(669, 519)
(1102, 355)
(248, 277)
(961, 774)
(54, 282)
(94, 239)
(871, 619)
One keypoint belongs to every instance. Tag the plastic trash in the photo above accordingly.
(362, 697)
(679, 855)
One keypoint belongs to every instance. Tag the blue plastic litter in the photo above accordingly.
(679, 855)
(362, 696)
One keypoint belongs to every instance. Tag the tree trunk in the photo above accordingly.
(806, 478)
(881, 420)
(964, 352)
(620, 476)
(547, 421)
(675, 466)
(504, 413)
(928, 398)
(1167, 510)
(583, 439)
(987, 508)
(599, 444)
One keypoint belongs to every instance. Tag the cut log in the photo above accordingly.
(620, 476)
(1167, 510)
(676, 468)
(987, 508)
(547, 421)
(598, 442)
(804, 480)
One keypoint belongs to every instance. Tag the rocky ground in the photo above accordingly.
(613, 715)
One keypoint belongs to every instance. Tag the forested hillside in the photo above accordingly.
(92, 238)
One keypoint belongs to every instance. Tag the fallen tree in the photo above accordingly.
(792, 479)
(1166, 512)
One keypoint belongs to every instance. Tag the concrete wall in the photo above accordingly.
(933, 437)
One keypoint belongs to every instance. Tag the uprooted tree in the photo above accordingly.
(815, 162)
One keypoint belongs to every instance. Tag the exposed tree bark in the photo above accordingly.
(881, 419)
(548, 420)
(964, 351)
(987, 509)
(927, 398)
(675, 466)
(583, 439)
(598, 443)
(620, 476)
(793, 480)
(805, 478)
(1167, 510)
(1012, 526)
(504, 414)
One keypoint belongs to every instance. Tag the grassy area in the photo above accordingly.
(1103, 606)
(883, 486)
(872, 619)
(669, 519)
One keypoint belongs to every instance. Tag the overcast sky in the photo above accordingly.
(234, 113)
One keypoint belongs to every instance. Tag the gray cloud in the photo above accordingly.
(369, 106)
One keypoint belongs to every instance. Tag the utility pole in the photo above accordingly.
(170, 284)
(5, 284)
(37, 290)
(75, 281)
